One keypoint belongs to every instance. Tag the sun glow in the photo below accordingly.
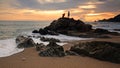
(87, 6)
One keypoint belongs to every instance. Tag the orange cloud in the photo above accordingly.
(27, 14)
(99, 16)
(87, 6)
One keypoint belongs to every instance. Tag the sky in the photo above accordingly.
(47, 10)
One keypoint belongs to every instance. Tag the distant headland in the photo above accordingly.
(114, 19)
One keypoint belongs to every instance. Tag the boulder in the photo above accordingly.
(99, 49)
(52, 50)
(39, 46)
(67, 24)
(35, 31)
(45, 32)
(101, 31)
(24, 42)
(71, 53)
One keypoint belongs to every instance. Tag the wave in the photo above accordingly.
(8, 47)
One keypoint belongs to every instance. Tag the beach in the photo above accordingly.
(29, 58)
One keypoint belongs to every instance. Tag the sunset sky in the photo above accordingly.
(86, 10)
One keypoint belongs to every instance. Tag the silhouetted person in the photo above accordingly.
(68, 14)
(63, 15)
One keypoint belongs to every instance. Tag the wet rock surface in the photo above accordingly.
(67, 24)
(72, 27)
(99, 49)
(52, 50)
(24, 42)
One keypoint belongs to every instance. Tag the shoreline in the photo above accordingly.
(29, 58)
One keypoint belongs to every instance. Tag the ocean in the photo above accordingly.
(9, 30)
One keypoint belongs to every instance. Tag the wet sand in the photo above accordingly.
(29, 58)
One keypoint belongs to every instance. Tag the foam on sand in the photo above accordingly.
(8, 47)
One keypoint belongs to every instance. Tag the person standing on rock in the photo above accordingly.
(68, 14)
(63, 15)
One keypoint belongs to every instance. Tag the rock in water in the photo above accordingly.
(35, 31)
(52, 50)
(100, 50)
(45, 32)
(101, 31)
(24, 42)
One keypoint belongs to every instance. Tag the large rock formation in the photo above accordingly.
(99, 49)
(24, 42)
(63, 25)
(71, 27)
(52, 50)
(45, 32)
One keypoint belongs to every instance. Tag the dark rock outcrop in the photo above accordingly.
(101, 31)
(35, 31)
(45, 32)
(99, 49)
(68, 52)
(72, 27)
(114, 19)
(49, 39)
(104, 31)
(63, 25)
(24, 42)
(52, 50)
(39, 46)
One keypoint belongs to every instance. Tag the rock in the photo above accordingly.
(39, 46)
(45, 32)
(24, 42)
(101, 31)
(114, 19)
(117, 29)
(49, 39)
(35, 31)
(52, 50)
(100, 50)
(71, 53)
(67, 24)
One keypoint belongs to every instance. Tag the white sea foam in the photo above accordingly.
(8, 47)
(37, 40)
(61, 37)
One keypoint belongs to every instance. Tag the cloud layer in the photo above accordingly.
(87, 10)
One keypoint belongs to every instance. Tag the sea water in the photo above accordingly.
(9, 30)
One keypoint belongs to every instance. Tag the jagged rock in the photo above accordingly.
(35, 31)
(39, 46)
(23, 42)
(100, 50)
(67, 24)
(117, 29)
(101, 31)
(45, 32)
(49, 39)
(71, 53)
(52, 50)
